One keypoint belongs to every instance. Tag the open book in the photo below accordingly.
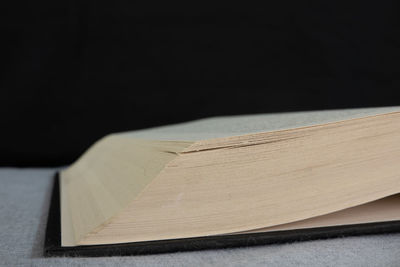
(130, 190)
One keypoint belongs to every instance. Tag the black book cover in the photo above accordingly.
(52, 246)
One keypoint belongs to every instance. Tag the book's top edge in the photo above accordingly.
(233, 126)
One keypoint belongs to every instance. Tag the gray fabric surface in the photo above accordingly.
(25, 194)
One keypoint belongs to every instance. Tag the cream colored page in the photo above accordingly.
(106, 179)
(267, 179)
(382, 210)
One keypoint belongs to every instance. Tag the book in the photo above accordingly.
(128, 195)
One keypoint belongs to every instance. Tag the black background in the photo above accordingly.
(73, 71)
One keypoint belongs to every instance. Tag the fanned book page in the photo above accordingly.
(126, 189)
